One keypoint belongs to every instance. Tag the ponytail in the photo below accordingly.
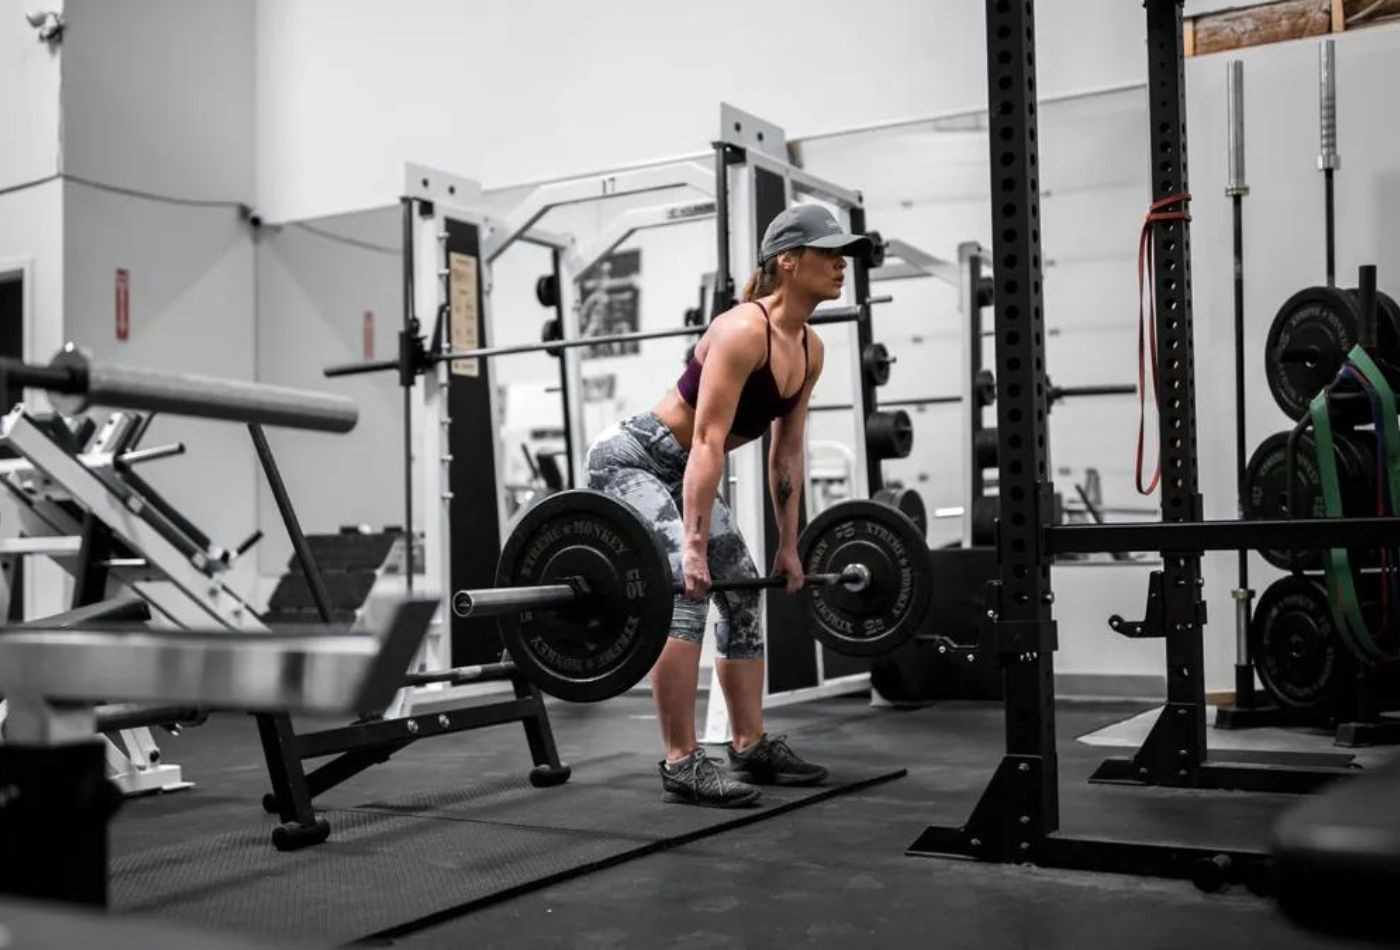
(765, 278)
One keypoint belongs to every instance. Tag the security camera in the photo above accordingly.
(48, 23)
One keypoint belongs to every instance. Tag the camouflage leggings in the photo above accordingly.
(640, 461)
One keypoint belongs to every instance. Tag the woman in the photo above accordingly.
(752, 371)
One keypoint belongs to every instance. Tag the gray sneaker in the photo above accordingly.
(697, 780)
(771, 761)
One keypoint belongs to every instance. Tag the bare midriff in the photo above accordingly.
(679, 417)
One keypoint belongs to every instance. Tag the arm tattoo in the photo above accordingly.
(784, 488)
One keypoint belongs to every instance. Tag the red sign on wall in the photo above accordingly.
(369, 334)
(123, 303)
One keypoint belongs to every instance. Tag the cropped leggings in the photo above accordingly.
(640, 461)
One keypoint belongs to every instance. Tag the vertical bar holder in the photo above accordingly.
(1328, 159)
(1246, 711)
(1020, 806)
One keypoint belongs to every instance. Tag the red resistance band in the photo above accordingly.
(1147, 273)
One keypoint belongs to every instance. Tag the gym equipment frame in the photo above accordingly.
(1017, 818)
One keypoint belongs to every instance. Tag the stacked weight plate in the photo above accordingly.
(1296, 649)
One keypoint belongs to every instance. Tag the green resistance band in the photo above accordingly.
(1343, 601)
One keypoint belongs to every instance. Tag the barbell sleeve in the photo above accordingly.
(356, 369)
(74, 383)
(495, 601)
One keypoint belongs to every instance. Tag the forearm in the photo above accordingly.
(785, 478)
(702, 474)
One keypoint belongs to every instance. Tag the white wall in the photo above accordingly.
(31, 219)
(191, 278)
(313, 292)
(29, 110)
(158, 97)
(1283, 239)
(508, 90)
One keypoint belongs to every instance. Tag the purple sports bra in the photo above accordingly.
(760, 402)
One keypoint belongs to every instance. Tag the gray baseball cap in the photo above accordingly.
(810, 225)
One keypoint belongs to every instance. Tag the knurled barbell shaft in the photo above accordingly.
(852, 575)
(495, 601)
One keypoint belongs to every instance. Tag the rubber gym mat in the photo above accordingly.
(394, 866)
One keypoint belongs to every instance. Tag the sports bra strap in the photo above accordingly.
(768, 357)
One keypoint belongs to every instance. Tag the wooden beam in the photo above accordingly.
(1188, 37)
(1266, 23)
(1339, 16)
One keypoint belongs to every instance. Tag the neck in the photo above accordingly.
(790, 309)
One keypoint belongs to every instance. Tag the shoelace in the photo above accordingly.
(704, 766)
(780, 750)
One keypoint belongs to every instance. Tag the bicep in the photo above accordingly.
(728, 362)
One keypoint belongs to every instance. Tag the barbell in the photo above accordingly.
(586, 591)
(823, 316)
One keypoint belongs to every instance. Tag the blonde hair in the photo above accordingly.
(765, 278)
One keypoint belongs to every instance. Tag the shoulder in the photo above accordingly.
(741, 327)
(816, 348)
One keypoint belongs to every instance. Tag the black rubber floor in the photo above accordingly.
(830, 875)
(393, 865)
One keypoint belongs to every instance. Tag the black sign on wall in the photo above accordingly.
(471, 439)
(610, 302)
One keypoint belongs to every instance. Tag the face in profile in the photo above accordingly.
(816, 272)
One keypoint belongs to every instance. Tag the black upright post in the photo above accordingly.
(564, 396)
(1175, 751)
(724, 274)
(53, 822)
(865, 336)
(407, 377)
(972, 357)
(1021, 805)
